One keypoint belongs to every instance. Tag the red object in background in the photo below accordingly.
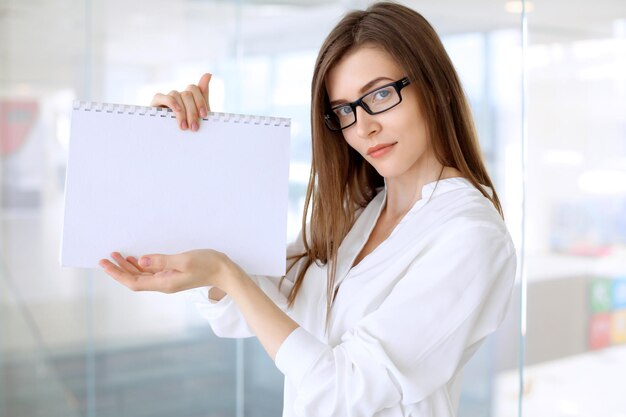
(600, 331)
(17, 118)
(589, 250)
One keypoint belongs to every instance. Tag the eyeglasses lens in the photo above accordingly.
(374, 102)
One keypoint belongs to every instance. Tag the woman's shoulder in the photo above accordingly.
(463, 195)
(460, 206)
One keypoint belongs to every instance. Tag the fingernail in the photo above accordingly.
(145, 261)
(194, 126)
(183, 125)
(203, 112)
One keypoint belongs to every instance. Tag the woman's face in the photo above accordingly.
(395, 142)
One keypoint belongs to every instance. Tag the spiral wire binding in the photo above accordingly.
(165, 112)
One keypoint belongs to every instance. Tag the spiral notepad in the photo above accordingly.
(138, 184)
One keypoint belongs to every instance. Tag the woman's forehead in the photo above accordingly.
(358, 68)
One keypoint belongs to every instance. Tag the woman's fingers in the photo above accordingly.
(134, 262)
(122, 276)
(173, 101)
(169, 273)
(134, 278)
(199, 99)
(203, 84)
(157, 263)
(166, 100)
(191, 109)
(125, 264)
(189, 105)
(181, 112)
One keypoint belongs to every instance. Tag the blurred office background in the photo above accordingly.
(551, 113)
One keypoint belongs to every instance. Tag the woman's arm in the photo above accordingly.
(270, 324)
(173, 273)
(412, 345)
(222, 313)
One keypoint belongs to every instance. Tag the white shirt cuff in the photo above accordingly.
(297, 355)
(209, 309)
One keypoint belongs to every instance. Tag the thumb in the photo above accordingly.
(156, 262)
(203, 84)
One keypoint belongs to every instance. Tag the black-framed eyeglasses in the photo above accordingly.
(376, 101)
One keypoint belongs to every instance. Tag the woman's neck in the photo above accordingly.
(404, 192)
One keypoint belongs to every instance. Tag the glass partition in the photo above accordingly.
(576, 210)
(42, 307)
(74, 342)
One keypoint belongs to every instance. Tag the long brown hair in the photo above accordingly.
(341, 181)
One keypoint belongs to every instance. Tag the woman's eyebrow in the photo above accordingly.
(363, 89)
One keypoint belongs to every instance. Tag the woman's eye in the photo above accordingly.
(381, 94)
(343, 111)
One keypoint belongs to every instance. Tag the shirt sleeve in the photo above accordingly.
(448, 300)
(224, 316)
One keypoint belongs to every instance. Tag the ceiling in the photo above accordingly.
(44, 41)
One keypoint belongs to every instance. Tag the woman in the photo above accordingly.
(406, 264)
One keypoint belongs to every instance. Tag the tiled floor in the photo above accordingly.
(187, 378)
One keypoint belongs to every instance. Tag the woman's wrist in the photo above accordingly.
(231, 277)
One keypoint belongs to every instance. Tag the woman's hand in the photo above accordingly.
(198, 268)
(189, 105)
(172, 273)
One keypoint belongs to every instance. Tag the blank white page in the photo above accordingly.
(138, 184)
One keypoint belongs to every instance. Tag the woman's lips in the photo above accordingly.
(380, 150)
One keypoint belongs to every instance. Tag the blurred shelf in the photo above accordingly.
(557, 266)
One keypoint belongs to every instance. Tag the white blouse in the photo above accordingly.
(406, 318)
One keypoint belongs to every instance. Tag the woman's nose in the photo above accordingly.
(366, 124)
